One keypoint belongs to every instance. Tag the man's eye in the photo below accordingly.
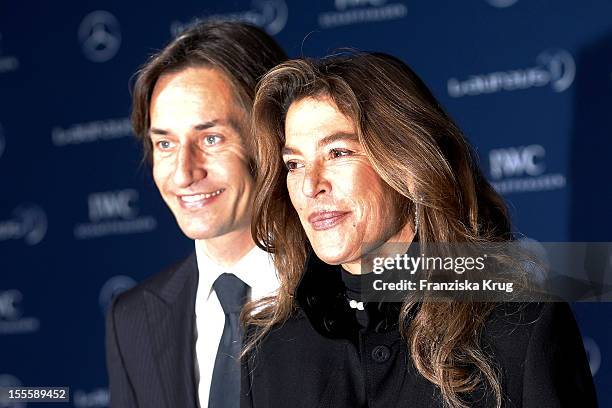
(211, 140)
(292, 165)
(164, 144)
(340, 152)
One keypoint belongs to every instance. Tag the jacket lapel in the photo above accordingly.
(170, 315)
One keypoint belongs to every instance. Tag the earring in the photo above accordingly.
(416, 214)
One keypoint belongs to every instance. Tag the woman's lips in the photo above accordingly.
(323, 220)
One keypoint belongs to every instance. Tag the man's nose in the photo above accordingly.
(315, 182)
(190, 166)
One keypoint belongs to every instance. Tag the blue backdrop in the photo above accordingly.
(530, 83)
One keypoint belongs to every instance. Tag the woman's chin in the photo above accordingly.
(332, 256)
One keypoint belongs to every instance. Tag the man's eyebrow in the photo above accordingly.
(232, 122)
(156, 131)
(334, 137)
(207, 125)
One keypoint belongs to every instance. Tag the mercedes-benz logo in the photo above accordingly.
(100, 36)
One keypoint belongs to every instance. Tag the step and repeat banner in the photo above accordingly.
(529, 81)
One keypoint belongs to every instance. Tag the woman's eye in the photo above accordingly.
(340, 152)
(292, 165)
(211, 140)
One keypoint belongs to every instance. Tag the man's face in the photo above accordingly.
(200, 164)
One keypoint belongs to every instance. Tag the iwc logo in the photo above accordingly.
(100, 36)
(520, 169)
(114, 213)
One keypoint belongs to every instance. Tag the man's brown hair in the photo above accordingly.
(242, 52)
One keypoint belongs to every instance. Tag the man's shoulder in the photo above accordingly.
(131, 301)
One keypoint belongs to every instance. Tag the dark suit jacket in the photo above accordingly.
(150, 341)
(321, 357)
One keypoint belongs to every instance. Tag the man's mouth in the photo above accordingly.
(197, 200)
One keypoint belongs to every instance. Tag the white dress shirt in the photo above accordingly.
(256, 270)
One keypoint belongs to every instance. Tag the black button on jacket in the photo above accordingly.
(321, 357)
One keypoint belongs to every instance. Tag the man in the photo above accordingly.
(172, 341)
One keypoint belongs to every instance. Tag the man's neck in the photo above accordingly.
(227, 249)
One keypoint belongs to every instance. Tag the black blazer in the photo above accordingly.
(150, 341)
(321, 358)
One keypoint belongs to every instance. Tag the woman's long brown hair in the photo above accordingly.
(419, 152)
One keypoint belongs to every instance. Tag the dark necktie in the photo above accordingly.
(225, 384)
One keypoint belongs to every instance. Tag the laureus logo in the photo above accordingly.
(12, 320)
(270, 15)
(8, 380)
(350, 12)
(554, 67)
(273, 15)
(29, 223)
(561, 67)
(100, 36)
(502, 3)
(113, 287)
(34, 223)
(593, 354)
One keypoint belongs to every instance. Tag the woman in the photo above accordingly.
(354, 152)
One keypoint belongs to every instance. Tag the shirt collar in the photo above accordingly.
(321, 297)
(256, 269)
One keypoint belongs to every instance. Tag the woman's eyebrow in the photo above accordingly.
(334, 137)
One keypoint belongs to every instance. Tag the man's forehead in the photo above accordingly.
(199, 95)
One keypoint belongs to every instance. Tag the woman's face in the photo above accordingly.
(346, 209)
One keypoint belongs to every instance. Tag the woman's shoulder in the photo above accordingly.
(539, 349)
(528, 316)
(516, 326)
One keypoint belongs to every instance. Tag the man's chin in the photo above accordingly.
(201, 231)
